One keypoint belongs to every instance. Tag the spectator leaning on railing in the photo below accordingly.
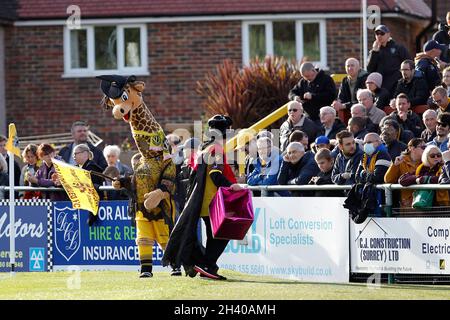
(325, 161)
(348, 159)
(298, 166)
(406, 163)
(428, 173)
(375, 161)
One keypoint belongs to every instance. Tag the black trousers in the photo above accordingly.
(214, 247)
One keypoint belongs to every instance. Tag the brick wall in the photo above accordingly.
(40, 101)
(345, 39)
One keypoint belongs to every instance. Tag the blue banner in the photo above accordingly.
(31, 237)
(109, 242)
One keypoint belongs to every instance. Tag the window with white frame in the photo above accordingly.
(292, 39)
(94, 50)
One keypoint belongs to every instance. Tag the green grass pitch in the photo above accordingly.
(126, 285)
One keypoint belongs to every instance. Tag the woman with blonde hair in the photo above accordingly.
(406, 163)
(428, 173)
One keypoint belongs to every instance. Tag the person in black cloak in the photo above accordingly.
(210, 172)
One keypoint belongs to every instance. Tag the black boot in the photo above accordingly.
(176, 270)
(146, 272)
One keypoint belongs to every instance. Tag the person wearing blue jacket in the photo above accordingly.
(267, 164)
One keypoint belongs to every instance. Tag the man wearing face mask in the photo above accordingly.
(375, 161)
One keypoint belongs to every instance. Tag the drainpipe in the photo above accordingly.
(432, 23)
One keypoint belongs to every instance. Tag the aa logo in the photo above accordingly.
(441, 264)
(37, 262)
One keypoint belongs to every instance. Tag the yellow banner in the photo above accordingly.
(12, 145)
(78, 185)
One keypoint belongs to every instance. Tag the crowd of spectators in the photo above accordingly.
(387, 124)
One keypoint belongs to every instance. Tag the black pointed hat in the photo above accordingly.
(112, 85)
(220, 122)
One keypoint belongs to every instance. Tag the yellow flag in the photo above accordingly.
(12, 145)
(78, 185)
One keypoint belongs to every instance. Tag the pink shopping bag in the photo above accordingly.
(231, 213)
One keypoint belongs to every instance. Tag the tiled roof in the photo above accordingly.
(56, 9)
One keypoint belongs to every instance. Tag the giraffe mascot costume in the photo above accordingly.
(154, 174)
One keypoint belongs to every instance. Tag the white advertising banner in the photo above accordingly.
(295, 238)
(400, 245)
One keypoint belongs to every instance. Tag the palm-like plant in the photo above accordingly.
(251, 93)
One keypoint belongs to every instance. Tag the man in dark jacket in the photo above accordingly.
(347, 161)
(426, 63)
(79, 133)
(385, 57)
(330, 124)
(407, 119)
(298, 166)
(315, 90)
(389, 135)
(355, 80)
(412, 84)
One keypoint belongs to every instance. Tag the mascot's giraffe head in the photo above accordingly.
(122, 94)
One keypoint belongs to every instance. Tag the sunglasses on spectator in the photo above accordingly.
(435, 155)
(422, 147)
(292, 110)
(442, 124)
(379, 33)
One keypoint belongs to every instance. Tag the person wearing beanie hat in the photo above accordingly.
(210, 172)
(375, 78)
(427, 63)
(386, 57)
(381, 95)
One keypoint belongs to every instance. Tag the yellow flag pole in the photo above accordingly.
(245, 135)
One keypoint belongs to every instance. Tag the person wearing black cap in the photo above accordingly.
(427, 64)
(386, 57)
(210, 173)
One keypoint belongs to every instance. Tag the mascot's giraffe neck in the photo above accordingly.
(147, 133)
(143, 120)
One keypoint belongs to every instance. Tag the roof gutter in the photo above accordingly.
(432, 23)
